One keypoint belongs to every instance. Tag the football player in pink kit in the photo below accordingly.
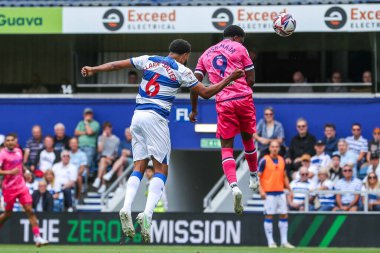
(234, 104)
(14, 186)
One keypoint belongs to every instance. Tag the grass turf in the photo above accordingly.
(169, 249)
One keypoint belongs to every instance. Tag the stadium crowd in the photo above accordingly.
(332, 163)
(59, 168)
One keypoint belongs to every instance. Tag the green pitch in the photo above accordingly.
(169, 249)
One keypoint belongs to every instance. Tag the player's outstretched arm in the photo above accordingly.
(106, 67)
(208, 92)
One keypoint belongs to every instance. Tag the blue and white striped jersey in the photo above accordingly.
(162, 77)
(302, 187)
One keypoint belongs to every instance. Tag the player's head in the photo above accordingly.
(180, 50)
(274, 147)
(10, 141)
(235, 33)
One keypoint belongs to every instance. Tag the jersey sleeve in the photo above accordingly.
(139, 62)
(200, 68)
(262, 165)
(188, 78)
(246, 60)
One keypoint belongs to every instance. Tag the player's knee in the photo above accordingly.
(269, 217)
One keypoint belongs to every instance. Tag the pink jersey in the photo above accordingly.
(10, 160)
(221, 60)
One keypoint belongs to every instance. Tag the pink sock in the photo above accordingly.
(36, 231)
(229, 165)
(250, 154)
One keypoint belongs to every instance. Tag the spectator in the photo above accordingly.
(269, 129)
(33, 146)
(125, 156)
(327, 200)
(61, 140)
(374, 144)
(374, 165)
(87, 132)
(336, 80)
(46, 157)
(55, 190)
(312, 170)
(357, 144)
(162, 205)
(302, 143)
(108, 145)
(330, 139)
(336, 171)
(347, 201)
(320, 159)
(37, 87)
(302, 87)
(30, 182)
(42, 199)
(300, 188)
(346, 156)
(372, 186)
(367, 77)
(66, 176)
(132, 79)
(79, 159)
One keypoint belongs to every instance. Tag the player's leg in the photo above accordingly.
(269, 210)
(282, 209)
(229, 169)
(133, 184)
(5, 216)
(34, 224)
(246, 113)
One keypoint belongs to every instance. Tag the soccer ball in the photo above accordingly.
(284, 24)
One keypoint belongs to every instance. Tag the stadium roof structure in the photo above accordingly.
(46, 3)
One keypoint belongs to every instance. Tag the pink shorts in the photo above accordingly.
(22, 195)
(235, 116)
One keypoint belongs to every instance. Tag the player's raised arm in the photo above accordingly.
(106, 67)
(208, 92)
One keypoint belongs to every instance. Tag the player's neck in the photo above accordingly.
(10, 149)
(274, 156)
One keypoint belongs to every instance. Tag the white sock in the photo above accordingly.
(154, 195)
(283, 226)
(268, 227)
(132, 187)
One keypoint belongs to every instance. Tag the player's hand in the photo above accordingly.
(87, 71)
(193, 116)
(288, 161)
(236, 74)
(263, 195)
(14, 172)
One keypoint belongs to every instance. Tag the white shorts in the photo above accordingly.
(150, 137)
(275, 204)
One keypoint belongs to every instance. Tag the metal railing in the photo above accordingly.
(308, 194)
(218, 186)
(105, 196)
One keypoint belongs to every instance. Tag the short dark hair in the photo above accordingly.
(232, 31)
(107, 124)
(331, 125)
(180, 46)
(49, 136)
(14, 135)
(132, 73)
(357, 124)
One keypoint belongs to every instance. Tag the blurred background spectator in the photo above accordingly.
(330, 139)
(300, 187)
(42, 199)
(327, 200)
(79, 159)
(36, 87)
(61, 140)
(46, 157)
(32, 147)
(336, 80)
(367, 77)
(336, 171)
(125, 157)
(87, 132)
(55, 190)
(346, 156)
(347, 201)
(269, 129)
(66, 176)
(374, 144)
(108, 146)
(372, 186)
(30, 182)
(299, 78)
(320, 159)
(357, 144)
(302, 143)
